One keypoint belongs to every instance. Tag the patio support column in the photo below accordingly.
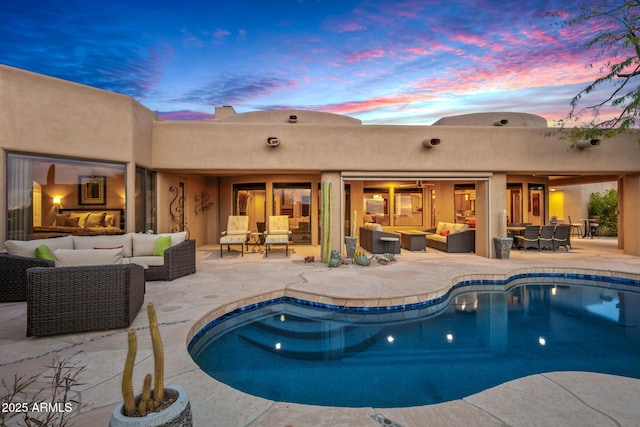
(335, 216)
(130, 199)
(491, 205)
(630, 213)
(3, 200)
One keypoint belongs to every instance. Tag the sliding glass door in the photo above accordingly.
(294, 201)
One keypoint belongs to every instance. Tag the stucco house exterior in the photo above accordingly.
(66, 146)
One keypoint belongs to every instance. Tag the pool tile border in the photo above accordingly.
(616, 279)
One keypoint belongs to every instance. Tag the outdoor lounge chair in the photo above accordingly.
(561, 237)
(529, 239)
(237, 233)
(545, 239)
(277, 233)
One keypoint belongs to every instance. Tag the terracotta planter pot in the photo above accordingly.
(176, 415)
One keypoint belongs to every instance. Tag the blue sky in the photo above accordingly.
(383, 62)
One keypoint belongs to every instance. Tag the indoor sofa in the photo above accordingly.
(174, 257)
(451, 237)
(371, 236)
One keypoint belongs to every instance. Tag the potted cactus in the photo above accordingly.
(158, 407)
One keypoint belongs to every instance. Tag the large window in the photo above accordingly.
(376, 205)
(465, 203)
(294, 200)
(146, 218)
(400, 206)
(407, 207)
(249, 199)
(39, 187)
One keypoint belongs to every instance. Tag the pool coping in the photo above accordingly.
(619, 280)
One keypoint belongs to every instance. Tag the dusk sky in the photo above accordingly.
(383, 62)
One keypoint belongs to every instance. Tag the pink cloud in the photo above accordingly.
(367, 54)
(185, 115)
(347, 27)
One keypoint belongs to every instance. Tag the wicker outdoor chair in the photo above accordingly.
(61, 300)
(13, 276)
(179, 260)
(545, 239)
(529, 239)
(562, 237)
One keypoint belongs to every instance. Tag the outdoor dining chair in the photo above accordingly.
(545, 239)
(529, 239)
(562, 236)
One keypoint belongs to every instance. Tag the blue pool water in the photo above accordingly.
(468, 342)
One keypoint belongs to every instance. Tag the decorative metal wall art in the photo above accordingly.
(202, 203)
(176, 209)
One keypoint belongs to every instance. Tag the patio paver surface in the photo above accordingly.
(550, 399)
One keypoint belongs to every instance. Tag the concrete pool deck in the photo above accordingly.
(221, 284)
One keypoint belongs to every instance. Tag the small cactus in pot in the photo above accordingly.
(156, 407)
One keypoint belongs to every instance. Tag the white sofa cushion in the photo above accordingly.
(76, 257)
(176, 238)
(27, 248)
(437, 237)
(105, 242)
(143, 244)
(145, 260)
(459, 228)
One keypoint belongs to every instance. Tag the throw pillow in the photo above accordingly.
(43, 252)
(71, 222)
(60, 218)
(445, 232)
(82, 217)
(162, 244)
(110, 220)
(95, 220)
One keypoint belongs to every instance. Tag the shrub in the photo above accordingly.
(605, 205)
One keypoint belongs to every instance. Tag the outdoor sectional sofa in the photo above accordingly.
(451, 237)
(62, 300)
(371, 240)
(178, 260)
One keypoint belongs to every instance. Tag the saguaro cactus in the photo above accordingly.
(146, 404)
(158, 355)
(127, 375)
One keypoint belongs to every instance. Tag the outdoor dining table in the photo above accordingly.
(516, 229)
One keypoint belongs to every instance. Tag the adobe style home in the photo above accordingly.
(69, 148)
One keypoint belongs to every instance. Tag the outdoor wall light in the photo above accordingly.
(429, 143)
(587, 143)
(273, 141)
(57, 200)
(293, 118)
(502, 122)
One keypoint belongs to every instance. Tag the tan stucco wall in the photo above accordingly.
(381, 148)
(44, 115)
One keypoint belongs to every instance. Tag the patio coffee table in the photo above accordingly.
(413, 240)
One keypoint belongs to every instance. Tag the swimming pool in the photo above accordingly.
(474, 338)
